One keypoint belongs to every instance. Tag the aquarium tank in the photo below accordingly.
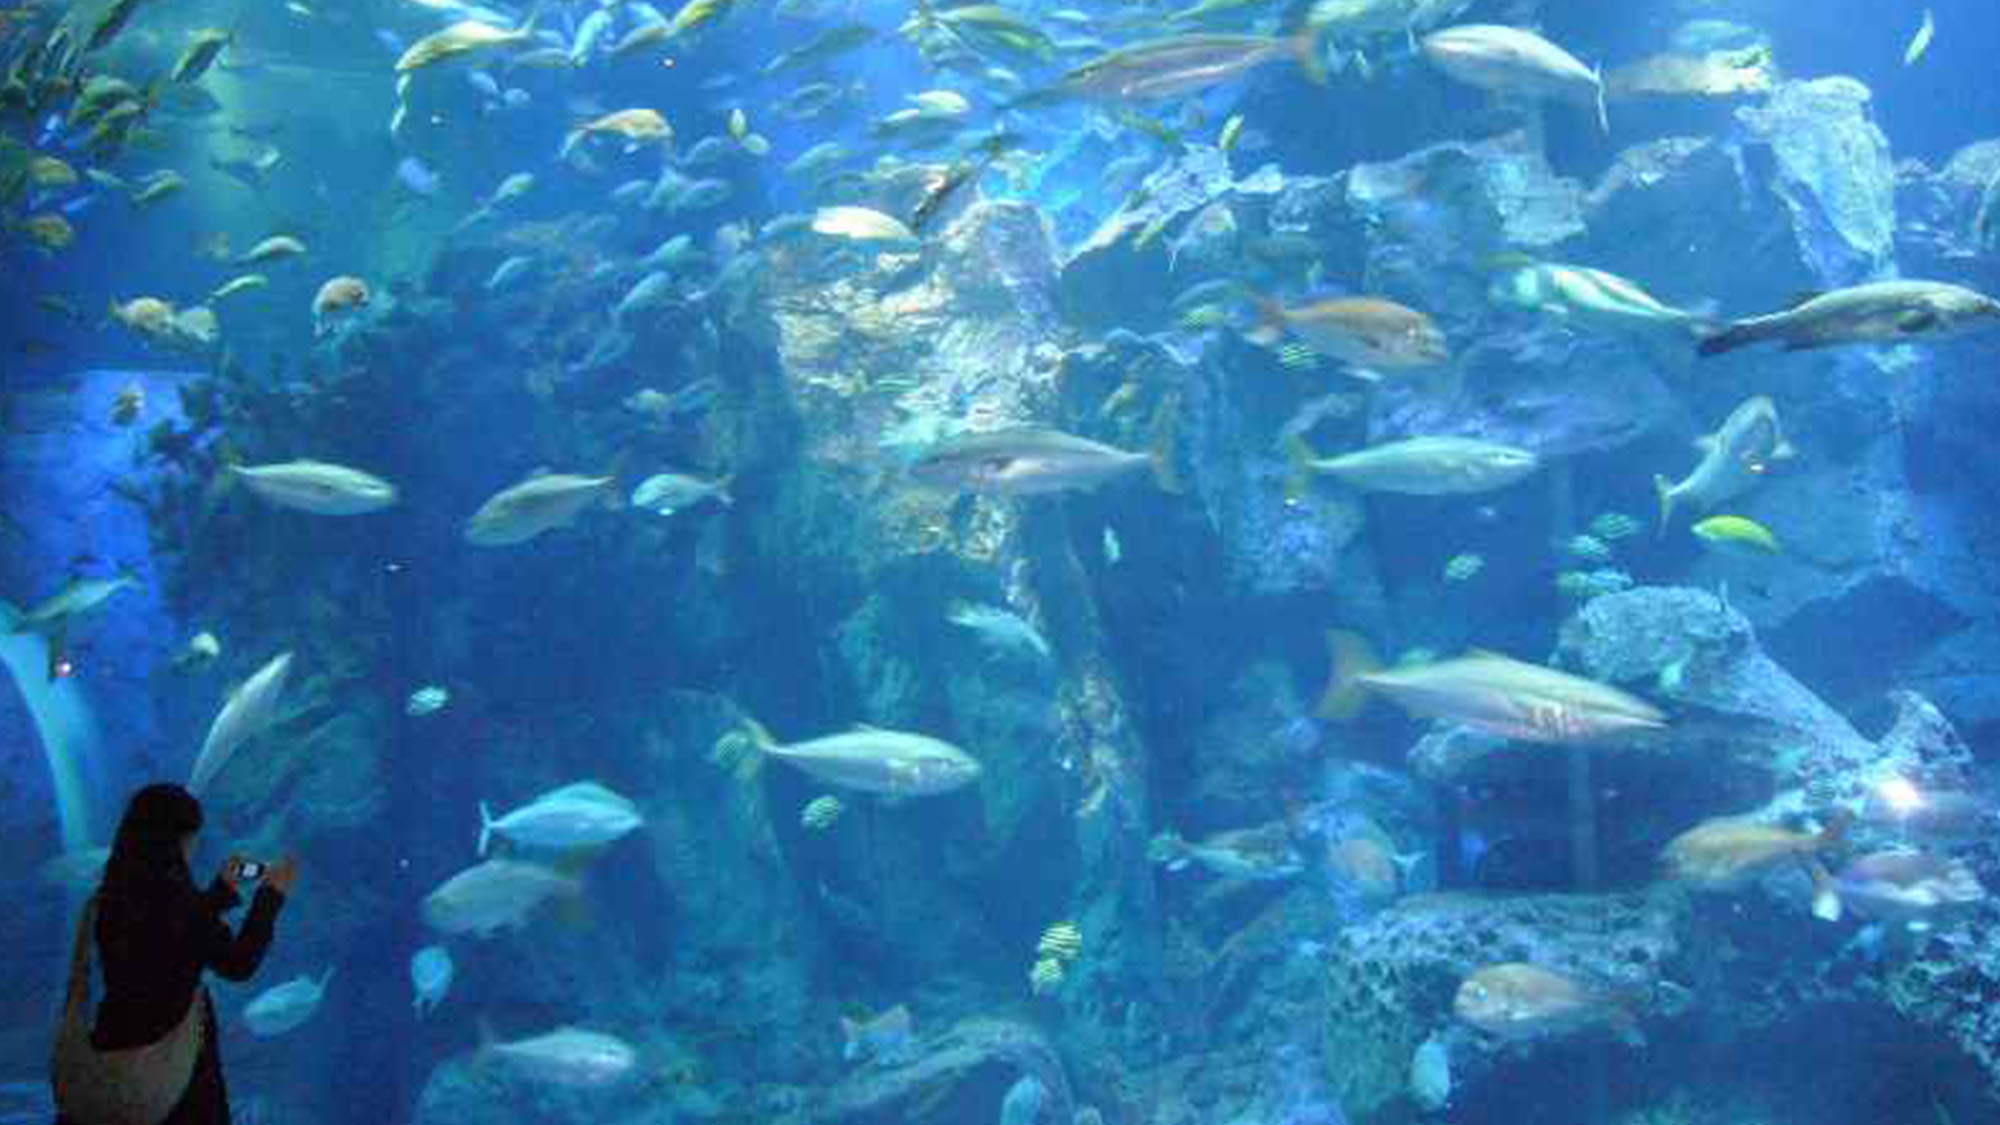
(1019, 562)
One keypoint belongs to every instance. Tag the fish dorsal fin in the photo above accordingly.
(1705, 444)
(1485, 654)
(538, 471)
(1803, 296)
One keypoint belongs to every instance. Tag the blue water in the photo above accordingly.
(1275, 903)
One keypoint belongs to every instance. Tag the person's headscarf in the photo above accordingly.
(146, 855)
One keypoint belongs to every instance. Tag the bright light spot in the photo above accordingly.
(1901, 795)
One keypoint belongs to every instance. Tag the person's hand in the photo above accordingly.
(282, 875)
(232, 872)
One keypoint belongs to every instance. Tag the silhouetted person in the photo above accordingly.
(155, 934)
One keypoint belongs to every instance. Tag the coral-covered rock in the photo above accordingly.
(962, 1076)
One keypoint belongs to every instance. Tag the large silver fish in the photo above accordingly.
(1508, 60)
(1882, 310)
(866, 758)
(497, 894)
(569, 818)
(1487, 692)
(1422, 466)
(1733, 460)
(1898, 886)
(1030, 461)
(61, 614)
(317, 487)
(251, 708)
(538, 504)
(568, 1056)
(1183, 64)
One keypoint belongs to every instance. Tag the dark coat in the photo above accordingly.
(153, 951)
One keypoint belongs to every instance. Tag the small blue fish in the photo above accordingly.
(412, 174)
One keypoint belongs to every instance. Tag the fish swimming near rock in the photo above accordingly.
(1862, 314)
(868, 759)
(536, 505)
(886, 1038)
(284, 1008)
(1518, 1002)
(567, 1056)
(458, 39)
(1725, 853)
(1420, 466)
(1734, 459)
(1897, 886)
(564, 820)
(497, 894)
(1508, 60)
(250, 709)
(62, 614)
(1739, 535)
(1369, 334)
(1487, 692)
(1182, 64)
(317, 487)
(1591, 297)
(1261, 854)
(431, 973)
(668, 493)
(1034, 461)
(998, 628)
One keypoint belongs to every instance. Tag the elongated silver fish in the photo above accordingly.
(1508, 60)
(538, 504)
(869, 759)
(1488, 692)
(1031, 461)
(1423, 466)
(568, 1056)
(1862, 314)
(250, 708)
(1183, 64)
(316, 487)
(497, 894)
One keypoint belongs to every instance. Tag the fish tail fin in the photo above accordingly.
(1665, 491)
(722, 491)
(1603, 115)
(850, 1038)
(1168, 850)
(1270, 326)
(1305, 48)
(1352, 658)
(1166, 439)
(1298, 461)
(1784, 450)
(741, 752)
(1826, 905)
(485, 828)
(1726, 337)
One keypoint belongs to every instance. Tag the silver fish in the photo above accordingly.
(316, 487)
(1423, 466)
(496, 894)
(866, 758)
(251, 708)
(1734, 459)
(1508, 60)
(538, 504)
(1030, 461)
(1878, 311)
